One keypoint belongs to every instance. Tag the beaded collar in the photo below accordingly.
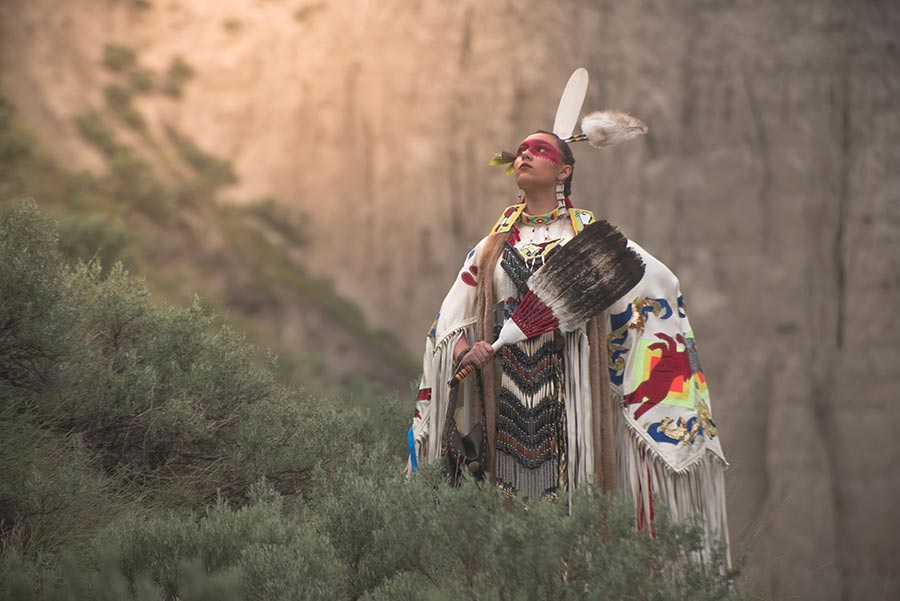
(545, 219)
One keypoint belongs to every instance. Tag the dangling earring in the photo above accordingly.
(560, 193)
(521, 195)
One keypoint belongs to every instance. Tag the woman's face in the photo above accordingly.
(539, 161)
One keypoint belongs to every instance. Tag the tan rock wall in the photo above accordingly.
(770, 182)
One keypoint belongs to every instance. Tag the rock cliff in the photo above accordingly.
(770, 182)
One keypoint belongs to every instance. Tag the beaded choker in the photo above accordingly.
(546, 218)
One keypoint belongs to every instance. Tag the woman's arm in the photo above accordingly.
(480, 354)
(445, 345)
(462, 345)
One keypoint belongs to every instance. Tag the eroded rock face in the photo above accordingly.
(770, 182)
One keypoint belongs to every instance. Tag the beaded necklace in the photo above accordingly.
(539, 220)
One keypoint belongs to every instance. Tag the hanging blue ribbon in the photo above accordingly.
(412, 450)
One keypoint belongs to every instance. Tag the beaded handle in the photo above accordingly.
(468, 369)
(461, 375)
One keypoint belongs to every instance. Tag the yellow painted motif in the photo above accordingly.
(533, 251)
(678, 429)
(686, 430)
(580, 218)
(508, 218)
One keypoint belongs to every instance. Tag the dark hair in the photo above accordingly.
(568, 159)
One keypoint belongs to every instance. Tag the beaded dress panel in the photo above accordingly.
(531, 422)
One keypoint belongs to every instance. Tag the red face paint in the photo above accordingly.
(541, 149)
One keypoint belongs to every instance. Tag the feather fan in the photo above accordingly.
(582, 278)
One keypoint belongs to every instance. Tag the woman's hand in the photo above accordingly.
(479, 355)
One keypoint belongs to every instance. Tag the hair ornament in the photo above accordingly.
(599, 129)
(608, 128)
(570, 103)
(504, 157)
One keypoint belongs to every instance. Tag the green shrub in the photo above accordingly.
(14, 146)
(425, 540)
(33, 311)
(7, 112)
(178, 74)
(118, 58)
(161, 397)
(124, 61)
(178, 394)
(380, 537)
(96, 132)
(133, 180)
(275, 554)
(182, 407)
(143, 455)
(71, 580)
(217, 171)
(119, 102)
(142, 80)
(50, 496)
(93, 237)
(211, 173)
(280, 218)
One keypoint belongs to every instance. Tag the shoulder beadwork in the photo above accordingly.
(580, 218)
(508, 218)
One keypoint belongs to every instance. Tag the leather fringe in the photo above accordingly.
(699, 489)
(601, 407)
(490, 255)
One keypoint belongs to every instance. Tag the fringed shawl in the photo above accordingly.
(638, 412)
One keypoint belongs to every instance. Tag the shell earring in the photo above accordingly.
(560, 191)
(521, 195)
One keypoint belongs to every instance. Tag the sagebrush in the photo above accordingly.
(143, 455)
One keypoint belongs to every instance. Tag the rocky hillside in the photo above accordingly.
(768, 182)
(153, 201)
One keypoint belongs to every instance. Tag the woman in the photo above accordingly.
(620, 401)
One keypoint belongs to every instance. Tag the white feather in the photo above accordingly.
(570, 103)
(608, 128)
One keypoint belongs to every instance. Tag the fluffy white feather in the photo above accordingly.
(608, 128)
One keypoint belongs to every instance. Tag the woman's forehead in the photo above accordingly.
(543, 137)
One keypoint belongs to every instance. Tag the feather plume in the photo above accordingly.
(570, 103)
(608, 128)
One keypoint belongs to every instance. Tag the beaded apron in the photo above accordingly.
(531, 424)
